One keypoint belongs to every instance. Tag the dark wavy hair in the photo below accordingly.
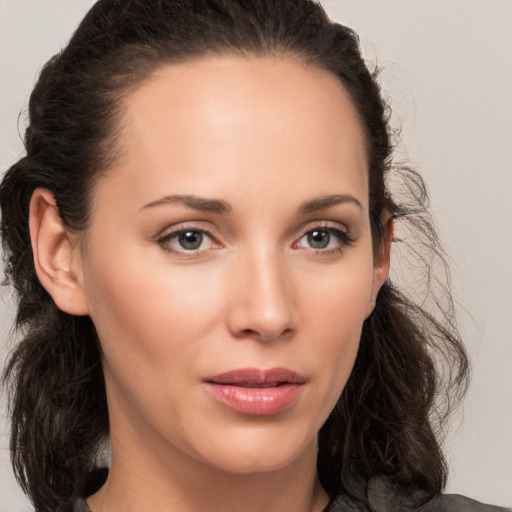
(411, 366)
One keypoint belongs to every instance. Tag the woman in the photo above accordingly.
(200, 236)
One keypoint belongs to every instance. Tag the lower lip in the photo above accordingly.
(255, 401)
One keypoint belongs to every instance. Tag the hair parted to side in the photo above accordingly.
(387, 416)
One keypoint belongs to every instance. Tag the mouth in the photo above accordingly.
(255, 391)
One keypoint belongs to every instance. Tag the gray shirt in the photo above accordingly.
(384, 494)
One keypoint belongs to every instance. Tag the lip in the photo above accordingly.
(256, 392)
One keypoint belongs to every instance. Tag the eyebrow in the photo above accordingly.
(321, 203)
(223, 207)
(193, 202)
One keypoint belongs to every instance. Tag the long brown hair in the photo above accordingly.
(411, 366)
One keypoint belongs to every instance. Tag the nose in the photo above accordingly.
(262, 298)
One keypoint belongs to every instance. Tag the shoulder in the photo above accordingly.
(456, 503)
(385, 494)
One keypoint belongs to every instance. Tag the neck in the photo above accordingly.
(141, 478)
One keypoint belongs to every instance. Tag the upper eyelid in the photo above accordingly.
(184, 226)
(166, 235)
(169, 231)
(345, 236)
(324, 224)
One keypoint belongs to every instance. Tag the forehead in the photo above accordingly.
(220, 120)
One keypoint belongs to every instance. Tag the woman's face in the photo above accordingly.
(228, 266)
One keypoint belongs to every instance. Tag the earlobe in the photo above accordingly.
(55, 257)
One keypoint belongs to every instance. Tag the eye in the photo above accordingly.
(186, 240)
(325, 239)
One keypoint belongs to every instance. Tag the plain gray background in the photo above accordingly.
(448, 72)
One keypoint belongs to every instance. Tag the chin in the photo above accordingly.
(259, 452)
(240, 465)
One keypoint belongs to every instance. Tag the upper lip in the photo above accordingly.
(257, 377)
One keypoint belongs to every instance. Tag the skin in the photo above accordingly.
(265, 136)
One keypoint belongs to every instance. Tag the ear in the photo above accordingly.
(57, 258)
(382, 259)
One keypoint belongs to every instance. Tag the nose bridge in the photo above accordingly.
(263, 305)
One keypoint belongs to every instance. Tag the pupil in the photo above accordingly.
(190, 240)
(319, 239)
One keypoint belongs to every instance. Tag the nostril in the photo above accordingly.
(267, 337)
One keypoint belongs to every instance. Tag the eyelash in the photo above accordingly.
(165, 240)
(345, 239)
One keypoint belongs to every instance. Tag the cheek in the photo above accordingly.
(339, 298)
(154, 324)
(149, 316)
(337, 312)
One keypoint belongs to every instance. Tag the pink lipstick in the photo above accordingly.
(256, 392)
